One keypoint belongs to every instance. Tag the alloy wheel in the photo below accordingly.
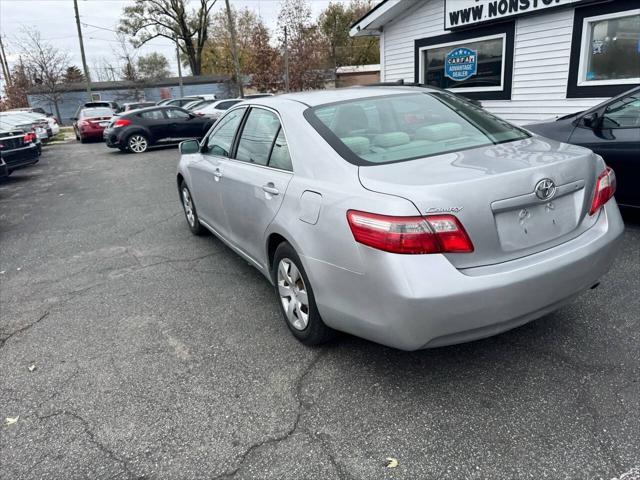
(293, 294)
(188, 207)
(138, 144)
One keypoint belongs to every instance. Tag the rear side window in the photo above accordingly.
(403, 127)
(280, 153)
(152, 115)
(175, 113)
(258, 135)
(220, 141)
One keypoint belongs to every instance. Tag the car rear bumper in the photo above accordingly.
(112, 139)
(93, 133)
(21, 157)
(421, 301)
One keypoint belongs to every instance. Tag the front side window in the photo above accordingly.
(610, 49)
(257, 137)
(404, 127)
(175, 113)
(623, 113)
(472, 65)
(220, 141)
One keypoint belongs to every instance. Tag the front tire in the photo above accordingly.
(296, 299)
(190, 212)
(137, 143)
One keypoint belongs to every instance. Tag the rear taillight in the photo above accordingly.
(410, 235)
(29, 137)
(605, 188)
(122, 122)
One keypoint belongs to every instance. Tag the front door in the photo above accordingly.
(207, 174)
(255, 181)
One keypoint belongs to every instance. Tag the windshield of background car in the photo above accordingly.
(396, 128)
(96, 112)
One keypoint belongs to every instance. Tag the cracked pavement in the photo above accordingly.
(163, 355)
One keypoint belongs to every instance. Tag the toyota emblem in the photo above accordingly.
(545, 189)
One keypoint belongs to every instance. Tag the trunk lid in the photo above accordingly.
(492, 191)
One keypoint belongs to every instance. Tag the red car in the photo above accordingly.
(91, 122)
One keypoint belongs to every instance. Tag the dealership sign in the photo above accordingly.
(460, 64)
(462, 13)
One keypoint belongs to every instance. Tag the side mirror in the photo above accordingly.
(591, 120)
(188, 147)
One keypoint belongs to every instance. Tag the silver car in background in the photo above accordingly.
(215, 109)
(405, 216)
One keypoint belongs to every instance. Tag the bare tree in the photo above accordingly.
(305, 45)
(103, 70)
(149, 19)
(46, 65)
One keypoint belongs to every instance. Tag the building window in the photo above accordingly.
(475, 65)
(610, 49)
(478, 66)
(605, 49)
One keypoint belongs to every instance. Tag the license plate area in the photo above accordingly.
(529, 225)
(103, 124)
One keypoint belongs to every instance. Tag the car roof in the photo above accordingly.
(320, 97)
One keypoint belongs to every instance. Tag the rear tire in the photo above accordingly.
(295, 298)
(137, 143)
(190, 212)
(82, 139)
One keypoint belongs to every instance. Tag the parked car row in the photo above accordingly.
(22, 134)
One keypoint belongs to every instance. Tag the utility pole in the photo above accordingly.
(286, 61)
(179, 69)
(84, 59)
(234, 50)
(5, 65)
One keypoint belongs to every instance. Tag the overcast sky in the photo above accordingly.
(55, 20)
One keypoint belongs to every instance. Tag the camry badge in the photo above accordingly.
(545, 189)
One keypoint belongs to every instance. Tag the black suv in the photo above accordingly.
(140, 129)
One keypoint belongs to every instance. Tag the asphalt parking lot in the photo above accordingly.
(131, 349)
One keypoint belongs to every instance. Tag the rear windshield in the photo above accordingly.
(96, 112)
(396, 128)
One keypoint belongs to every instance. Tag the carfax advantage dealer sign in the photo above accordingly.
(462, 13)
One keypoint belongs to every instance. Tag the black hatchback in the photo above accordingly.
(137, 131)
(612, 130)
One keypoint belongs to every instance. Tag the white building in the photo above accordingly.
(526, 60)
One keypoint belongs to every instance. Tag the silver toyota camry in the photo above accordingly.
(407, 216)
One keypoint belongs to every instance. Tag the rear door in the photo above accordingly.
(255, 180)
(617, 138)
(207, 173)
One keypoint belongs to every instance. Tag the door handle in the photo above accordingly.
(217, 174)
(271, 189)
